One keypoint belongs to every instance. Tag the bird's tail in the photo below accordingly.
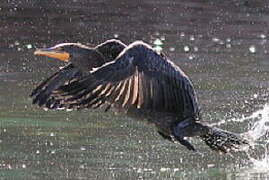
(223, 141)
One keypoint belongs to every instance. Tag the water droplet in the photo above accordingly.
(186, 48)
(263, 36)
(228, 46)
(252, 49)
(164, 169)
(215, 39)
(172, 49)
(82, 166)
(192, 37)
(191, 57)
(29, 46)
(211, 165)
(158, 42)
(148, 169)
(139, 170)
(116, 35)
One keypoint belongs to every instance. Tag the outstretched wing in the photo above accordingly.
(139, 78)
(42, 94)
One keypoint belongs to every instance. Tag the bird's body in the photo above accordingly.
(133, 79)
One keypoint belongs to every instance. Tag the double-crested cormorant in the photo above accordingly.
(134, 79)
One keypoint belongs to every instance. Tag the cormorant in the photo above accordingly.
(134, 79)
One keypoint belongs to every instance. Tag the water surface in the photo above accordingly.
(222, 47)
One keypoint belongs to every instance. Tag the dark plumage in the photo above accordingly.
(134, 79)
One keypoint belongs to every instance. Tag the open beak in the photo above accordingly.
(53, 53)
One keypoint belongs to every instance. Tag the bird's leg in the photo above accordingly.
(169, 138)
(217, 139)
(187, 128)
(184, 142)
(181, 140)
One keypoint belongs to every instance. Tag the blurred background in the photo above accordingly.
(221, 45)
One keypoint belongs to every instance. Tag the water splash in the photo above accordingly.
(258, 135)
(258, 154)
(261, 125)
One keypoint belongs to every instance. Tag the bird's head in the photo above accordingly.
(81, 56)
(64, 51)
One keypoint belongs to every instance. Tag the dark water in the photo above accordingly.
(222, 45)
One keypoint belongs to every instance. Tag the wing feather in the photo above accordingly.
(42, 93)
(138, 78)
(135, 88)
